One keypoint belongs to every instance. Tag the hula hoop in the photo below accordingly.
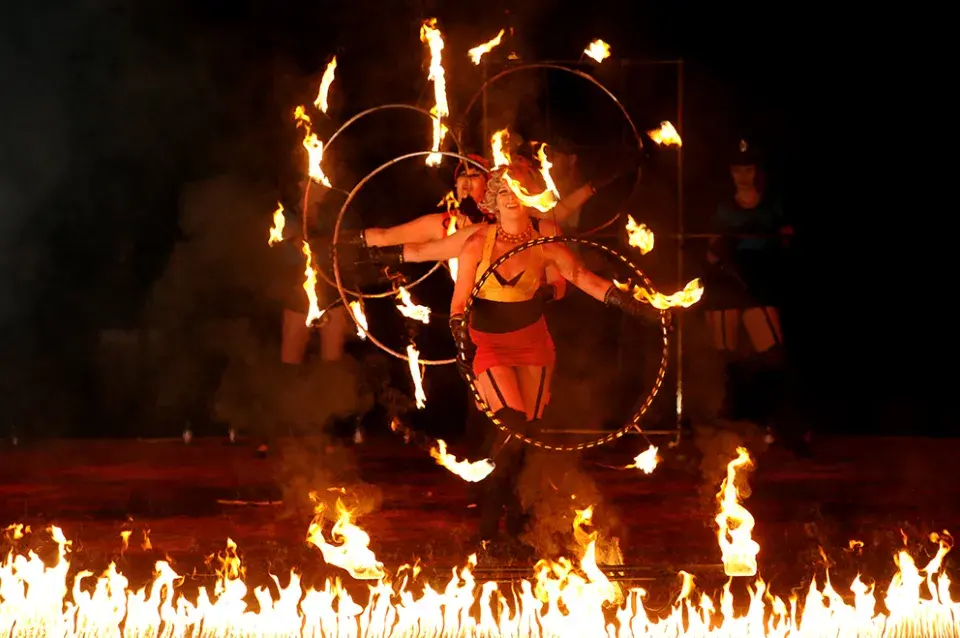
(591, 80)
(336, 235)
(470, 378)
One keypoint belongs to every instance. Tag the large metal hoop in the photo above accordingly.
(336, 236)
(306, 195)
(471, 379)
(591, 80)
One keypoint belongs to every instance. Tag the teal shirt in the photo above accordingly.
(765, 219)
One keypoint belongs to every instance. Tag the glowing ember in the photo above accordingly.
(499, 142)
(472, 472)
(279, 221)
(356, 309)
(411, 310)
(666, 135)
(598, 50)
(310, 286)
(545, 167)
(647, 460)
(430, 35)
(477, 52)
(735, 523)
(639, 236)
(413, 356)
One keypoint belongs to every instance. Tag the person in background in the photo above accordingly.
(745, 283)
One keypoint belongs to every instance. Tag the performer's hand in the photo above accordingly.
(623, 300)
(466, 349)
(386, 256)
(471, 210)
(547, 292)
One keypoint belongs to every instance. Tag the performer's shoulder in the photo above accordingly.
(549, 228)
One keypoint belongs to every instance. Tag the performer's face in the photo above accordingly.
(744, 176)
(473, 183)
(507, 202)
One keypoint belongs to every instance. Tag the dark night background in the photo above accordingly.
(112, 107)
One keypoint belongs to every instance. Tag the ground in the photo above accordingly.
(854, 488)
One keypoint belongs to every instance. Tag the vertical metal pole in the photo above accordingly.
(678, 332)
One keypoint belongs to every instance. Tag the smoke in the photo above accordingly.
(552, 488)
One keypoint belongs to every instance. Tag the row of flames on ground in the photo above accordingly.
(639, 235)
(562, 599)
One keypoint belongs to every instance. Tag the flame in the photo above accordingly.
(545, 167)
(647, 460)
(353, 553)
(279, 221)
(314, 147)
(666, 135)
(543, 202)
(477, 52)
(430, 35)
(411, 310)
(562, 599)
(639, 236)
(325, 82)
(738, 550)
(413, 355)
(598, 50)
(685, 298)
(499, 142)
(310, 286)
(472, 472)
(356, 308)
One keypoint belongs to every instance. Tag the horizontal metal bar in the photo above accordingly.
(645, 432)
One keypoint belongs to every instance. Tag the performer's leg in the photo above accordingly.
(500, 388)
(725, 325)
(763, 327)
(333, 334)
(423, 229)
(535, 389)
(296, 337)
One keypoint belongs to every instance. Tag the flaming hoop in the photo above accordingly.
(592, 80)
(664, 357)
(336, 235)
(306, 197)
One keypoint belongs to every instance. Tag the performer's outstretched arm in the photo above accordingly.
(422, 229)
(573, 202)
(597, 287)
(441, 249)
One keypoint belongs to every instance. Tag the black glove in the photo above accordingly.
(353, 238)
(466, 349)
(623, 300)
(471, 210)
(547, 293)
(386, 256)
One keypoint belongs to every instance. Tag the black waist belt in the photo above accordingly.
(505, 316)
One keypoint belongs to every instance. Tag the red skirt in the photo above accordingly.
(529, 346)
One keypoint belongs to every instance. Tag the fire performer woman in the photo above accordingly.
(514, 353)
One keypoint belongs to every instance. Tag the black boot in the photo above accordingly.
(497, 487)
